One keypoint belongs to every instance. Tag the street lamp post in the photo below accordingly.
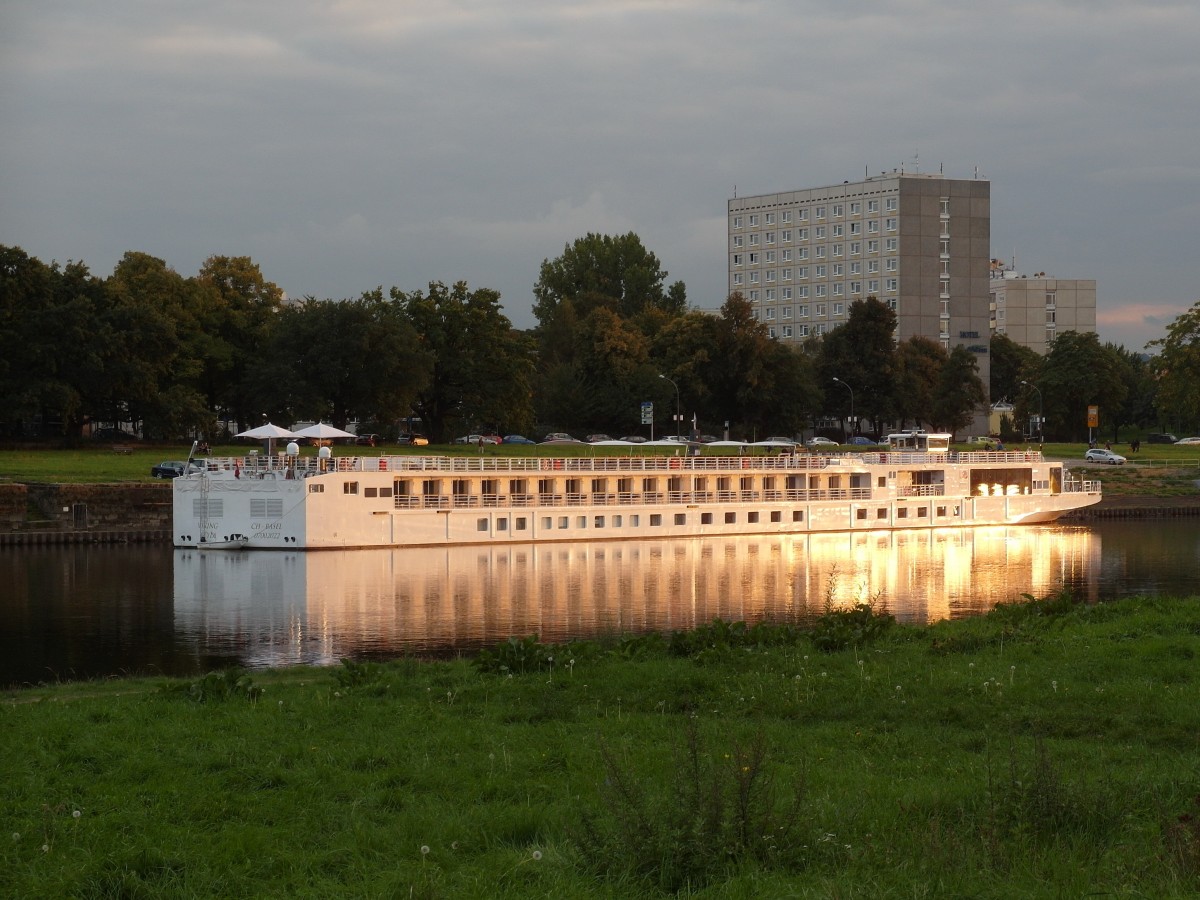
(1041, 418)
(678, 412)
(852, 419)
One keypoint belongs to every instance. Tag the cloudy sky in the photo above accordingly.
(349, 144)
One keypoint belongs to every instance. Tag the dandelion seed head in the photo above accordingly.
(537, 854)
(424, 849)
(76, 814)
(45, 848)
(16, 835)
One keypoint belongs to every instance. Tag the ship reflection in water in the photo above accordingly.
(273, 609)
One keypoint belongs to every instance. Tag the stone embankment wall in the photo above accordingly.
(69, 513)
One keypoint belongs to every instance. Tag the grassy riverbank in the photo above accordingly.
(1049, 749)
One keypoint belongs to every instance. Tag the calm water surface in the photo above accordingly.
(72, 612)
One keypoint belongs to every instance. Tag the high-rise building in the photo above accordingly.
(920, 243)
(1033, 309)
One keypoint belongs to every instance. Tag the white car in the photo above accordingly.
(821, 442)
(1104, 456)
(1191, 440)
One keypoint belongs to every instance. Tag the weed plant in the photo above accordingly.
(1047, 749)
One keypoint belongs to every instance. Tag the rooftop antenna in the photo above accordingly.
(735, 192)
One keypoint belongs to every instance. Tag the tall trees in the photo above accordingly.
(1078, 372)
(1012, 363)
(481, 372)
(1178, 367)
(862, 354)
(959, 392)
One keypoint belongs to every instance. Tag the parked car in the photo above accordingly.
(708, 438)
(1188, 440)
(1161, 439)
(559, 437)
(988, 443)
(819, 441)
(634, 439)
(367, 440)
(859, 441)
(477, 439)
(517, 439)
(1104, 456)
(779, 440)
(594, 438)
(171, 468)
(412, 440)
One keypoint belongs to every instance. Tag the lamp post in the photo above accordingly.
(851, 390)
(1040, 415)
(678, 414)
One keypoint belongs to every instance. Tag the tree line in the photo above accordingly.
(172, 356)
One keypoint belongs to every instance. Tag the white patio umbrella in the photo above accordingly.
(323, 432)
(269, 433)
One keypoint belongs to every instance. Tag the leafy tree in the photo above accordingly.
(862, 353)
(959, 393)
(342, 360)
(236, 311)
(1137, 375)
(1012, 363)
(920, 362)
(616, 273)
(1178, 366)
(1078, 372)
(481, 374)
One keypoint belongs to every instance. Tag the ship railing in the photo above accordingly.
(435, 501)
(994, 456)
(1075, 486)
(577, 499)
(470, 501)
(521, 499)
(403, 501)
(923, 490)
(493, 500)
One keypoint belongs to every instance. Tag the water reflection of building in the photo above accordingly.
(282, 608)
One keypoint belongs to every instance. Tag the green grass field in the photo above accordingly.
(1046, 750)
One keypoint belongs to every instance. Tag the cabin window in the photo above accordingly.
(881, 513)
(402, 487)
(635, 521)
(460, 487)
(649, 485)
(655, 519)
(723, 483)
(860, 514)
(705, 519)
(581, 522)
(547, 523)
(502, 524)
(616, 521)
(481, 524)
(350, 487)
(769, 483)
(546, 486)
(316, 488)
(941, 510)
(680, 518)
(922, 512)
(883, 481)
(776, 516)
(625, 485)
(797, 515)
(431, 487)
(564, 522)
(385, 492)
(902, 512)
(599, 522)
(370, 492)
(520, 523)
(599, 485)
(752, 518)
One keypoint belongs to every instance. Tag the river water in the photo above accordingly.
(92, 611)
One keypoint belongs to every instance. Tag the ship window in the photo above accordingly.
(680, 518)
(860, 513)
(776, 516)
(316, 488)
(635, 521)
(922, 512)
(797, 515)
(481, 524)
(616, 521)
(385, 492)
(941, 510)
(655, 519)
(547, 522)
(730, 518)
(350, 487)
(520, 523)
(705, 519)
(370, 492)
(881, 513)
(581, 522)
(752, 518)
(564, 522)
(599, 521)
(502, 524)
(902, 513)
(883, 481)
